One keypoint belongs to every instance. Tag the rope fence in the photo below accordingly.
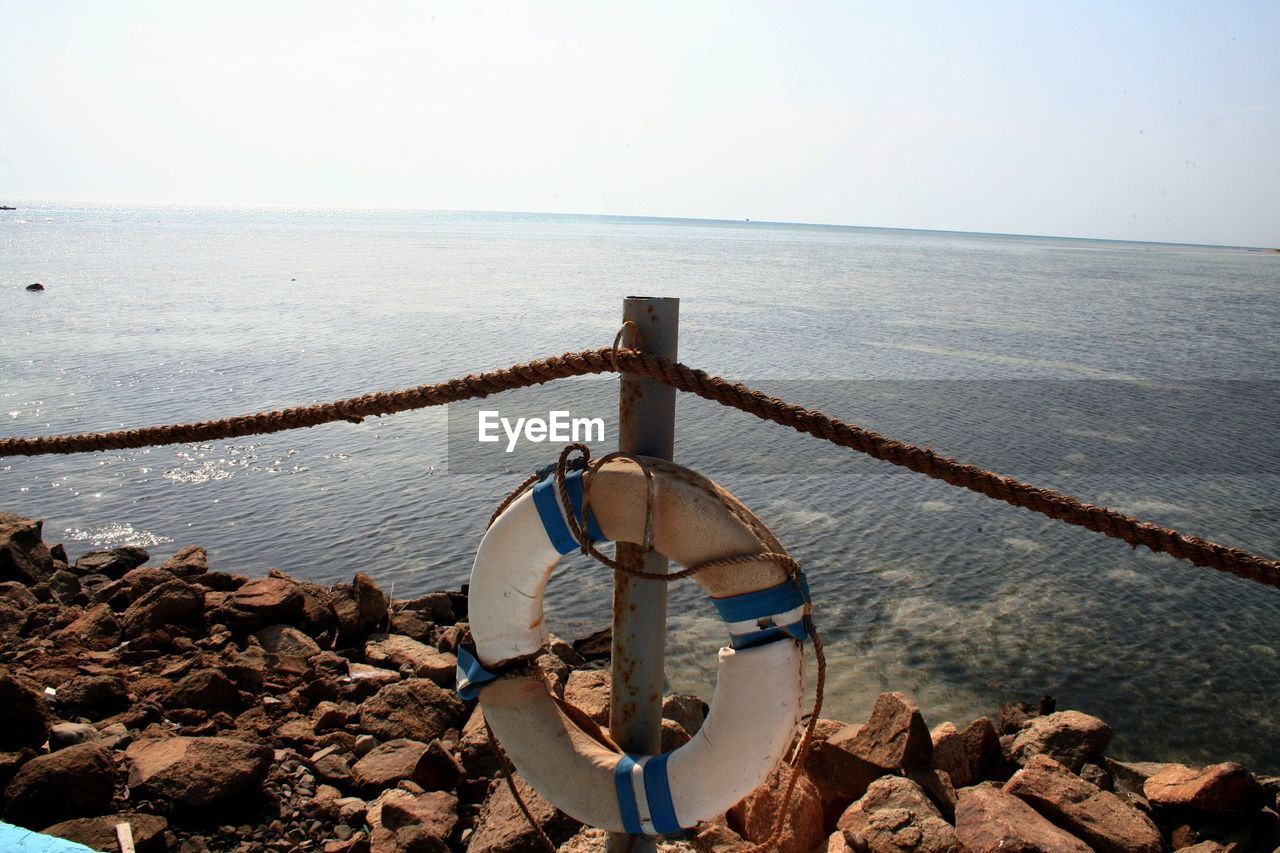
(922, 460)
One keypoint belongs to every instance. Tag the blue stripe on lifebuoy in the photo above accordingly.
(787, 595)
(546, 499)
(471, 673)
(657, 787)
(627, 795)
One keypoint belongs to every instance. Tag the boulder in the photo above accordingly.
(23, 556)
(436, 607)
(17, 594)
(384, 766)
(689, 711)
(502, 828)
(206, 689)
(63, 735)
(988, 820)
(418, 709)
(895, 737)
(475, 751)
(97, 629)
(196, 771)
(261, 602)
(24, 714)
(800, 829)
(588, 691)
(1098, 817)
(839, 775)
(439, 769)
(394, 651)
(896, 814)
(436, 812)
(360, 608)
(188, 562)
(114, 563)
(1014, 716)
(99, 833)
(173, 603)
(66, 587)
(1068, 737)
(74, 782)
(286, 640)
(94, 695)
(1221, 789)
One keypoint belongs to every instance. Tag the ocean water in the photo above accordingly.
(1140, 376)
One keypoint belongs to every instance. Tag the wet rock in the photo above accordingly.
(386, 765)
(173, 603)
(895, 737)
(988, 820)
(24, 714)
(689, 711)
(360, 608)
(436, 812)
(801, 827)
(23, 556)
(113, 563)
(839, 775)
(196, 771)
(260, 603)
(896, 814)
(94, 695)
(188, 562)
(502, 828)
(588, 691)
(1097, 817)
(96, 629)
(206, 689)
(73, 782)
(1220, 789)
(1069, 737)
(394, 651)
(99, 833)
(286, 640)
(418, 709)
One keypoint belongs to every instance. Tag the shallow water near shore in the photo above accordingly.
(1145, 380)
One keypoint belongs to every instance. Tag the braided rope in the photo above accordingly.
(587, 362)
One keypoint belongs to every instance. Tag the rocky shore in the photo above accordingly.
(211, 711)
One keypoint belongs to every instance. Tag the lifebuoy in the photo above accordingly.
(756, 706)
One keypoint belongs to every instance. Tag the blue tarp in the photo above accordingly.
(15, 839)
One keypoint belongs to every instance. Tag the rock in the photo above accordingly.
(436, 812)
(99, 833)
(394, 651)
(9, 764)
(597, 645)
(94, 695)
(418, 709)
(588, 691)
(261, 602)
(206, 689)
(435, 607)
(360, 608)
(475, 751)
(1069, 737)
(1129, 776)
(412, 624)
(1221, 789)
(439, 769)
(673, 736)
(951, 755)
(73, 782)
(37, 286)
(386, 765)
(1014, 716)
(895, 737)
(335, 768)
(173, 603)
(23, 556)
(1098, 817)
(196, 771)
(66, 587)
(17, 593)
(114, 563)
(937, 784)
(286, 640)
(839, 776)
(502, 828)
(801, 827)
(63, 735)
(144, 579)
(188, 562)
(96, 629)
(24, 714)
(1095, 775)
(555, 673)
(896, 814)
(689, 711)
(988, 820)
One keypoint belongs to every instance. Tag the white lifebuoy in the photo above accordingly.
(756, 706)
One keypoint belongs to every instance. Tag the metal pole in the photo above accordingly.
(646, 426)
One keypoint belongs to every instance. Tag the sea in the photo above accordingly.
(1138, 376)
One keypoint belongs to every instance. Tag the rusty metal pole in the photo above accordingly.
(646, 426)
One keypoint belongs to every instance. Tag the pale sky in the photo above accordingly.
(1125, 120)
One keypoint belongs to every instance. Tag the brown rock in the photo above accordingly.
(9, 764)
(502, 828)
(937, 784)
(689, 711)
(1068, 737)
(597, 645)
(673, 736)
(188, 562)
(360, 608)
(73, 782)
(23, 556)
(172, 603)
(982, 744)
(839, 775)
(335, 768)
(439, 769)
(144, 579)
(418, 709)
(950, 754)
(24, 714)
(385, 765)
(96, 695)
(206, 689)
(1098, 817)
(802, 826)
(1227, 788)
(1014, 716)
(286, 640)
(435, 607)
(114, 563)
(437, 812)
(895, 737)
(99, 833)
(261, 602)
(1129, 776)
(588, 691)
(394, 651)
(17, 594)
(475, 751)
(96, 629)
(896, 815)
(990, 821)
(197, 771)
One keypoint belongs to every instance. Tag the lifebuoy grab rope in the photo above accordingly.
(758, 590)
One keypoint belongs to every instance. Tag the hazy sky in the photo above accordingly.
(1131, 120)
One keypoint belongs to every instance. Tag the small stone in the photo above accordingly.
(1069, 737)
